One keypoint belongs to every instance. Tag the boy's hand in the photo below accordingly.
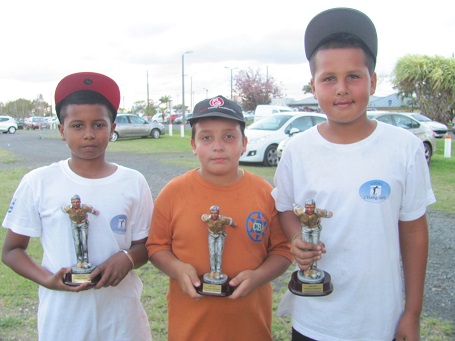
(188, 279)
(408, 327)
(306, 253)
(55, 282)
(112, 271)
(245, 282)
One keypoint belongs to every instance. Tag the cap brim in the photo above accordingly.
(215, 114)
(340, 20)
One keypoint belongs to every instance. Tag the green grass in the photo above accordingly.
(18, 296)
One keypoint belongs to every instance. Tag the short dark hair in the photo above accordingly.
(193, 126)
(343, 41)
(85, 97)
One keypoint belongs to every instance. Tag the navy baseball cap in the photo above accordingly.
(90, 81)
(218, 106)
(340, 20)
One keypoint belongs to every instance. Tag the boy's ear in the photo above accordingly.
(373, 83)
(313, 88)
(60, 129)
(193, 145)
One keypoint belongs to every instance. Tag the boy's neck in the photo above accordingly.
(222, 179)
(346, 133)
(91, 169)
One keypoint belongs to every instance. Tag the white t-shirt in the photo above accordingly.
(369, 185)
(125, 206)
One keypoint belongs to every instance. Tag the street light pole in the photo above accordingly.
(206, 93)
(183, 84)
(227, 67)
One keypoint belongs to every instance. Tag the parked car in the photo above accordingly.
(159, 118)
(265, 135)
(37, 122)
(294, 131)
(408, 122)
(20, 124)
(7, 124)
(266, 110)
(179, 119)
(130, 125)
(439, 129)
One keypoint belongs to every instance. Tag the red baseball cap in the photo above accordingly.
(90, 81)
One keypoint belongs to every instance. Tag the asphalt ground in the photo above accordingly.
(35, 149)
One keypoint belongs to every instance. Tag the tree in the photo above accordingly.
(19, 108)
(431, 81)
(142, 109)
(307, 89)
(253, 89)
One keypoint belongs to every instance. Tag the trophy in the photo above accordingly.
(314, 281)
(215, 282)
(78, 214)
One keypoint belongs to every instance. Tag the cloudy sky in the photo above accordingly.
(43, 41)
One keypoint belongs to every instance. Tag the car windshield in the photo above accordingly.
(273, 122)
(421, 118)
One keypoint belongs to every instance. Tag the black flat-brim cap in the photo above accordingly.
(340, 20)
(218, 106)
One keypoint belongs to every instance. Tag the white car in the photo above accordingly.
(265, 135)
(439, 129)
(7, 125)
(408, 122)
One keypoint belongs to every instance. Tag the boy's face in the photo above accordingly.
(87, 129)
(218, 144)
(342, 84)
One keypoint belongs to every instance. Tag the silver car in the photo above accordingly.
(408, 122)
(130, 125)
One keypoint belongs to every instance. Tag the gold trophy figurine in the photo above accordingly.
(314, 281)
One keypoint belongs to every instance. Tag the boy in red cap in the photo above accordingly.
(254, 252)
(86, 105)
(374, 177)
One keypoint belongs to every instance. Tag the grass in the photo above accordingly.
(18, 296)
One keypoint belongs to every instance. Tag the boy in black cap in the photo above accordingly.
(86, 105)
(374, 176)
(255, 252)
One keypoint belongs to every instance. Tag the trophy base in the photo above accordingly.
(321, 287)
(78, 276)
(214, 286)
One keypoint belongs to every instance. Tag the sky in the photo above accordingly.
(141, 42)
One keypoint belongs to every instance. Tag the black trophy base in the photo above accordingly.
(297, 287)
(79, 276)
(214, 287)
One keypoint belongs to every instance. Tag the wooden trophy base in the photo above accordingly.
(78, 276)
(214, 287)
(297, 287)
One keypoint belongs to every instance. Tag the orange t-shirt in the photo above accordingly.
(177, 226)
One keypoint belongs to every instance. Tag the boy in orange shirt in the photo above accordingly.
(255, 252)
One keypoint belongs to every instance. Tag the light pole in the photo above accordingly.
(206, 93)
(227, 67)
(183, 84)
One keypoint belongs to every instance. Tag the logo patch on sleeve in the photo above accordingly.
(256, 226)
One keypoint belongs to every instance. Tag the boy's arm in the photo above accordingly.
(414, 254)
(304, 253)
(116, 267)
(15, 256)
(248, 280)
(184, 273)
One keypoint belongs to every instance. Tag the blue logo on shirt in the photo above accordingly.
(11, 206)
(256, 226)
(375, 191)
(119, 224)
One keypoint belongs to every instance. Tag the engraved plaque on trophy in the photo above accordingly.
(314, 281)
(78, 214)
(215, 282)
